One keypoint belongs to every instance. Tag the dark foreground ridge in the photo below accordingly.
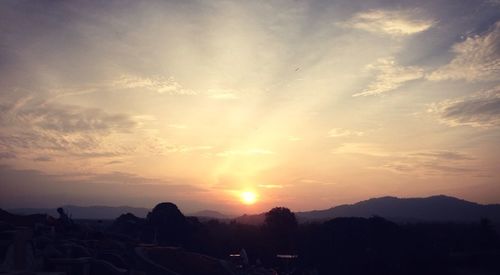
(167, 242)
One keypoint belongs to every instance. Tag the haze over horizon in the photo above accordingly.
(247, 105)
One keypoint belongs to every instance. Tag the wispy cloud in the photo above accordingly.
(341, 132)
(391, 22)
(42, 158)
(271, 186)
(445, 155)
(476, 59)
(479, 110)
(7, 155)
(431, 163)
(156, 145)
(368, 149)
(390, 76)
(37, 129)
(422, 162)
(426, 168)
(177, 126)
(33, 187)
(71, 118)
(159, 84)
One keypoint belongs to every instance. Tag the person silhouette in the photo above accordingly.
(64, 219)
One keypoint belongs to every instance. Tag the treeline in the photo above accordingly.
(339, 246)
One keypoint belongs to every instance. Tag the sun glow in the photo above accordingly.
(248, 197)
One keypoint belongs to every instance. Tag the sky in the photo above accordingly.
(303, 104)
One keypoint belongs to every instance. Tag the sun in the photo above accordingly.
(248, 197)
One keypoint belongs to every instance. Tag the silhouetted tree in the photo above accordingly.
(280, 219)
(169, 224)
(130, 225)
(280, 226)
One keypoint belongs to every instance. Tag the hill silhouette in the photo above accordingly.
(431, 209)
(435, 208)
(210, 214)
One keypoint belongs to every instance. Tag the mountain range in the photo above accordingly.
(431, 209)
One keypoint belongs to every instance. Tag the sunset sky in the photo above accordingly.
(304, 104)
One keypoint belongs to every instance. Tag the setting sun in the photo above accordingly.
(248, 197)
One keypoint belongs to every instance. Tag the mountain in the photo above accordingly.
(436, 208)
(86, 212)
(255, 219)
(431, 209)
(210, 214)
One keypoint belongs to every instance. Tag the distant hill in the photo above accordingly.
(255, 219)
(431, 209)
(86, 212)
(210, 214)
(435, 208)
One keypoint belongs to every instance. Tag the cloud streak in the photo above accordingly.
(33, 128)
(390, 76)
(476, 59)
(161, 85)
(431, 163)
(70, 119)
(479, 110)
(389, 22)
(340, 132)
(23, 187)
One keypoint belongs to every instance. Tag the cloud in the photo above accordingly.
(390, 76)
(42, 158)
(71, 118)
(426, 168)
(431, 162)
(185, 148)
(424, 162)
(479, 110)
(445, 155)
(76, 145)
(7, 155)
(476, 59)
(271, 186)
(368, 149)
(311, 182)
(35, 188)
(340, 132)
(159, 146)
(390, 22)
(114, 162)
(33, 128)
(159, 84)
